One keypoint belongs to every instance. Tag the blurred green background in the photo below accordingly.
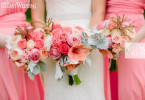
(28, 15)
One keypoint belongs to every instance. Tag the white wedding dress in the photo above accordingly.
(74, 12)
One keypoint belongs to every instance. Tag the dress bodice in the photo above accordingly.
(68, 9)
(13, 6)
(126, 6)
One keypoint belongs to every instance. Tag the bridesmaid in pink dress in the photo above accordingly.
(131, 73)
(14, 83)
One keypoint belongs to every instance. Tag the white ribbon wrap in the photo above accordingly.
(74, 71)
(88, 60)
(59, 73)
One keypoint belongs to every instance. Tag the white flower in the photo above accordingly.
(106, 32)
(131, 33)
(47, 42)
(19, 64)
(16, 54)
(116, 36)
(12, 41)
(30, 44)
(44, 54)
(76, 31)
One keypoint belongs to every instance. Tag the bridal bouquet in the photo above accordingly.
(118, 33)
(70, 48)
(27, 49)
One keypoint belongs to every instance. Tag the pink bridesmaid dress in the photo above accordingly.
(131, 72)
(14, 83)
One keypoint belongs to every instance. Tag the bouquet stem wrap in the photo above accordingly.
(73, 77)
(113, 65)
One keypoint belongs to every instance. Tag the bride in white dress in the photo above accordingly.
(71, 13)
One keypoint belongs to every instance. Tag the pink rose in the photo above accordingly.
(67, 29)
(111, 25)
(110, 42)
(100, 26)
(63, 36)
(35, 55)
(79, 28)
(56, 32)
(64, 48)
(54, 52)
(73, 39)
(26, 52)
(22, 44)
(36, 35)
(39, 44)
(55, 41)
(24, 59)
(56, 26)
(19, 64)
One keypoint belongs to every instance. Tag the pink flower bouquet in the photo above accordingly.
(27, 49)
(118, 32)
(66, 48)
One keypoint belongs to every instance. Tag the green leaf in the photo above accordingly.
(43, 66)
(63, 69)
(36, 70)
(76, 79)
(31, 75)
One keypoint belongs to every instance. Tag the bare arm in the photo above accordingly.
(2, 40)
(140, 34)
(38, 13)
(98, 11)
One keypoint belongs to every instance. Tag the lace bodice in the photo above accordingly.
(68, 9)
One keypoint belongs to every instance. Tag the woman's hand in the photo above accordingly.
(98, 11)
(38, 13)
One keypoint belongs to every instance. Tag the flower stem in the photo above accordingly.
(71, 81)
(113, 65)
(76, 79)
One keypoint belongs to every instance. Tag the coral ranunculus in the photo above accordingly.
(22, 44)
(78, 53)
